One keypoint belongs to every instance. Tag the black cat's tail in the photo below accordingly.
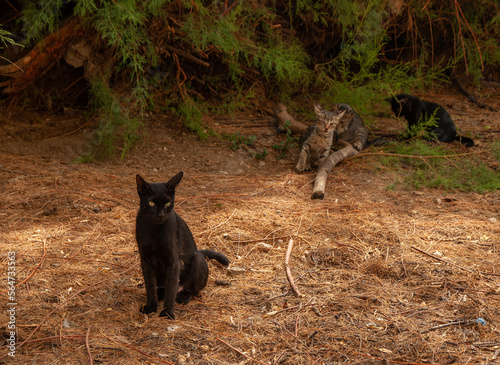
(467, 141)
(214, 255)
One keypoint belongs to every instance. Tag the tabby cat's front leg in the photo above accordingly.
(323, 157)
(303, 163)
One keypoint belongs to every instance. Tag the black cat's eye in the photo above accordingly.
(152, 204)
(168, 204)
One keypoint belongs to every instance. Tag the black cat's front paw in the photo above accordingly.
(183, 297)
(165, 313)
(148, 309)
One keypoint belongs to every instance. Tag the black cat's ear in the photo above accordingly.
(173, 182)
(403, 100)
(389, 99)
(142, 185)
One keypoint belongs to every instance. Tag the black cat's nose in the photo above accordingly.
(161, 212)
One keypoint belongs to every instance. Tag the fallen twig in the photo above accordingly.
(451, 263)
(362, 154)
(288, 271)
(37, 266)
(189, 56)
(239, 352)
(88, 347)
(445, 261)
(462, 322)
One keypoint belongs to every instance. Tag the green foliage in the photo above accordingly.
(237, 38)
(423, 129)
(5, 38)
(40, 18)
(192, 113)
(260, 155)
(237, 140)
(436, 166)
(114, 121)
(357, 75)
(237, 100)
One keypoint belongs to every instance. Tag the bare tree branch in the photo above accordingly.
(327, 166)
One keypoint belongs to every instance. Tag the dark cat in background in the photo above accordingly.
(417, 111)
(174, 269)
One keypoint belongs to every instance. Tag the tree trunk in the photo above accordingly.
(327, 166)
(282, 117)
(39, 60)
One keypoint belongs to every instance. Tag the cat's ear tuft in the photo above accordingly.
(349, 115)
(317, 108)
(142, 185)
(341, 114)
(173, 182)
(404, 100)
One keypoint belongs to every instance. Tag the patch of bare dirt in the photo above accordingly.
(389, 277)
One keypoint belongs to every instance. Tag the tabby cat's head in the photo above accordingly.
(327, 121)
(157, 200)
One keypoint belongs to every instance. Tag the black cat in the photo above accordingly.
(173, 268)
(417, 111)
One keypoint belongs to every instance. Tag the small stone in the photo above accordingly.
(222, 283)
(262, 246)
(234, 271)
(67, 323)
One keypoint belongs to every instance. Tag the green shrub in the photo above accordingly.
(431, 165)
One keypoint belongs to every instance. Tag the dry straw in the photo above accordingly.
(384, 277)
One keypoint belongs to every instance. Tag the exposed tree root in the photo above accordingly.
(282, 116)
(327, 167)
(39, 60)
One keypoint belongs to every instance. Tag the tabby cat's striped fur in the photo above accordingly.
(351, 128)
(316, 141)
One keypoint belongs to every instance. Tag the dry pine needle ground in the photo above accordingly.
(389, 277)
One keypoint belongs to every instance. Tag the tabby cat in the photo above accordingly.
(351, 128)
(317, 139)
(416, 111)
(174, 269)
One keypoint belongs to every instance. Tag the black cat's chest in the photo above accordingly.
(157, 243)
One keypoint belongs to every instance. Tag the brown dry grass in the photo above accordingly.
(371, 293)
